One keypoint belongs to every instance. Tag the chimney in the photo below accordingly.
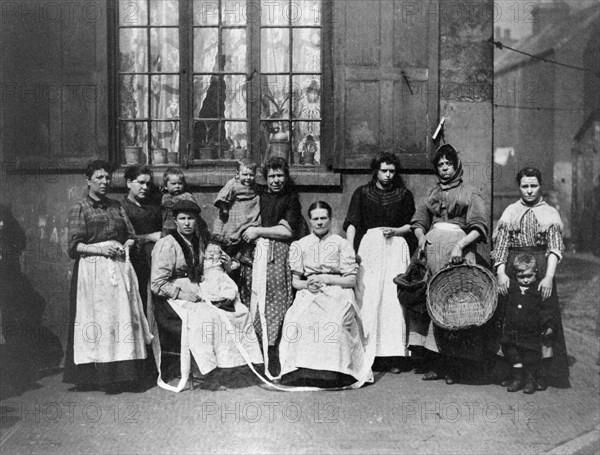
(547, 13)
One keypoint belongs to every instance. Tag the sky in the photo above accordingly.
(516, 14)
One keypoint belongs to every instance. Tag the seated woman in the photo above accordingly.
(321, 342)
(216, 338)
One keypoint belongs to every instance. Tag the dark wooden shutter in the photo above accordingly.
(54, 80)
(385, 80)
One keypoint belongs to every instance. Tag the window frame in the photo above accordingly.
(253, 77)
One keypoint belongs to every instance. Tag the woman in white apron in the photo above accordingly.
(322, 342)
(108, 331)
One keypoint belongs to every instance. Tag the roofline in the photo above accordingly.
(525, 62)
(586, 124)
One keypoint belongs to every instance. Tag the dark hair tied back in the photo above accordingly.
(529, 172)
(320, 205)
(97, 165)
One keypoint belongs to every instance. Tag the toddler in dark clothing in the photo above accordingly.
(529, 324)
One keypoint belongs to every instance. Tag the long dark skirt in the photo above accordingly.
(468, 344)
(96, 373)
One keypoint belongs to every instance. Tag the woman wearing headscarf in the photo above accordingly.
(448, 224)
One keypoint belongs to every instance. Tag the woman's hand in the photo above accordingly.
(129, 243)
(503, 282)
(545, 287)
(226, 263)
(315, 283)
(188, 296)
(109, 249)
(456, 255)
(314, 287)
(250, 234)
(423, 242)
(390, 232)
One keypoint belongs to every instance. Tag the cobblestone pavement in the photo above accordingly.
(398, 414)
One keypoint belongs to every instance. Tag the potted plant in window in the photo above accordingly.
(278, 138)
(131, 149)
(208, 149)
(133, 152)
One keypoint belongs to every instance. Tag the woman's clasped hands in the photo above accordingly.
(316, 283)
(111, 248)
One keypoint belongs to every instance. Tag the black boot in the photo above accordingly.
(517, 380)
(530, 385)
(542, 375)
(274, 365)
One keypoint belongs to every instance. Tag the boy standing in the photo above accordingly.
(529, 324)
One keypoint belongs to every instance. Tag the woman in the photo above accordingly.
(144, 213)
(531, 226)
(448, 224)
(105, 307)
(321, 344)
(376, 224)
(216, 338)
(271, 286)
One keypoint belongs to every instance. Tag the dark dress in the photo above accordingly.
(372, 207)
(145, 219)
(90, 222)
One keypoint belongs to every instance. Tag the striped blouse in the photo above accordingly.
(528, 236)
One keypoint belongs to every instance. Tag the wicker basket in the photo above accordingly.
(462, 296)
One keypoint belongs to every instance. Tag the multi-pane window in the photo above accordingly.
(219, 80)
(149, 80)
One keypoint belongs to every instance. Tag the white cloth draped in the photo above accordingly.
(110, 324)
(382, 316)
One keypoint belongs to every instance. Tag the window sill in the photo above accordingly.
(217, 175)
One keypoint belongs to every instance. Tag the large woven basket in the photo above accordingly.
(462, 296)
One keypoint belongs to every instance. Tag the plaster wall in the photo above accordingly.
(41, 200)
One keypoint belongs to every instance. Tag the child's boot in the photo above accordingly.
(530, 385)
(541, 379)
(517, 380)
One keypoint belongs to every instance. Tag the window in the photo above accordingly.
(202, 80)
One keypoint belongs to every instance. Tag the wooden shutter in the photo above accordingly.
(385, 80)
(54, 79)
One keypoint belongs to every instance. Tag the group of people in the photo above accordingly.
(296, 303)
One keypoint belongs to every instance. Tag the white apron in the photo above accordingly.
(215, 338)
(110, 325)
(322, 332)
(382, 316)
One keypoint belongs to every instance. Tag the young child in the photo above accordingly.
(529, 324)
(239, 208)
(176, 190)
(217, 286)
